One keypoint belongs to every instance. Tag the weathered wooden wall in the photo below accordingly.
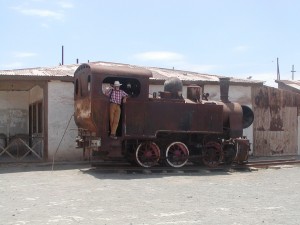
(275, 126)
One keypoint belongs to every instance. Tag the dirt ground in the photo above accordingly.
(78, 194)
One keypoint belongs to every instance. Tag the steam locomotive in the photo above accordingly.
(159, 128)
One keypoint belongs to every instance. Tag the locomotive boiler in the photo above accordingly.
(158, 128)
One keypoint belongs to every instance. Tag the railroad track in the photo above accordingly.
(268, 163)
(125, 168)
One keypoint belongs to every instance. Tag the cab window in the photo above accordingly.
(130, 85)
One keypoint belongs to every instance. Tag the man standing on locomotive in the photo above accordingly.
(116, 95)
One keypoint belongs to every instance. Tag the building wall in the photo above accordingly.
(14, 112)
(60, 112)
(35, 94)
(14, 108)
(276, 126)
(298, 133)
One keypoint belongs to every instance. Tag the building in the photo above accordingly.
(289, 85)
(276, 125)
(36, 109)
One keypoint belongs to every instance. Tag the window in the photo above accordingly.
(34, 122)
(36, 118)
(40, 117)
(76, 86)
(130, 85)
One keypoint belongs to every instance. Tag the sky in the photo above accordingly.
(234, 38)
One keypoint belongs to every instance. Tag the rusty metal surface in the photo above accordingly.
(91, 106)
(275, 127)
(173, 116)
(83, 114)
(162, 120)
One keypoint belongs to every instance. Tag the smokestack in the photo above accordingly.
(224, 88)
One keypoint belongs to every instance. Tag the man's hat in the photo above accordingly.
(117, 83)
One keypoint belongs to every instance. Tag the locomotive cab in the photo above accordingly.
(131, 86)
(92, 104)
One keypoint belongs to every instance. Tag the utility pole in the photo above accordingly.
(278, 72)
(293, 71)
(62, 55)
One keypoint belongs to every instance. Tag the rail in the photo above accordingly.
(123, 167)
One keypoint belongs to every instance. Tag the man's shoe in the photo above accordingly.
(113, 137)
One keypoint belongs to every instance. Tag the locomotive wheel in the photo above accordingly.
(147, 154)
(212, 154)
(177, 154)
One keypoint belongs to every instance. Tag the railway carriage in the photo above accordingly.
(158, 128)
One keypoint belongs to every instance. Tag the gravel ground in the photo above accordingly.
(77, 194)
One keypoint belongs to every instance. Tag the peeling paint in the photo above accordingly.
(275, 126)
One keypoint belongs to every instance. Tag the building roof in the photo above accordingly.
(291, 85)
(66, 72)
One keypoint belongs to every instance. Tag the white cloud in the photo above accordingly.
(41, 13)
(65, 4)
(33, 9)
(24, 54)
(159, 55)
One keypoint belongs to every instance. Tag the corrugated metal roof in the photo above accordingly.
(67, 71)
(160, 73)
(290, 83)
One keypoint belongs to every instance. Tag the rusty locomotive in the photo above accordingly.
(158, 128)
